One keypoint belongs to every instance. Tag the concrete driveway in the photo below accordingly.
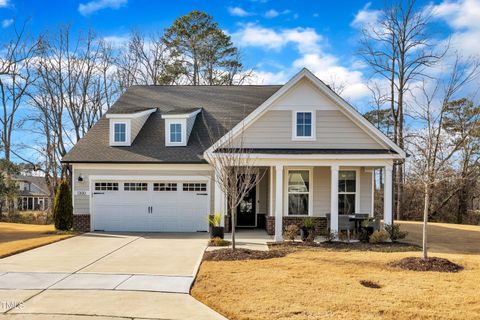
(106, 274)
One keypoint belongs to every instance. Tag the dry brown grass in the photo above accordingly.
(325, 284)
(16, 237)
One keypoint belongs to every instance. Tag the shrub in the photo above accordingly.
(395, 232)
(291, 232)
(379, 236)
(330, 236)
(62, 208)
(308, 223)
(218, 242)
(311, 235)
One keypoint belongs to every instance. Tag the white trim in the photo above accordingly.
(372, 208)
(313, 136)
(182, 115)
(314, 156)
(286, 193)
(278, 203)
(344, 107)
(145, 166)
(334, 198)
(271, 186)
(128, 133)
(130, 115)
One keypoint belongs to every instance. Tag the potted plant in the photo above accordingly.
(367, 229)
(307, 228)
(216, 230)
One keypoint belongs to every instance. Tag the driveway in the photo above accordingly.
(106, 274)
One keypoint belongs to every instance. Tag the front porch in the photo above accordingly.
(291, 191)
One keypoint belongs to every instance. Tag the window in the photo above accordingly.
(347, 188)
(164, 187)
(175, 132)
(106, 186)
(298, 192)
(194, 187)
(120, 132)
(303, 125)
(135, 186)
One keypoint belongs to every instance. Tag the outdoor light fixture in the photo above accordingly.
(80, 178)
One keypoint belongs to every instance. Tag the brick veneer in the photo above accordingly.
(81, 222)
(320, 223)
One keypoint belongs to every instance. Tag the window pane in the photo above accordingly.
(298, 204)
(351, 185)
(304, 124)
(300, 117)
(341, 185)
(307, 130)
(300, 131)
(298, 181)
(346, 204)
(175, 132)
(307, 118)
(119, 132)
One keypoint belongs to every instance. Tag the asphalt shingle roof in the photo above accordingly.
(222, 108)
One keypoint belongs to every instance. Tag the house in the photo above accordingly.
(33, 193)
(143, 166)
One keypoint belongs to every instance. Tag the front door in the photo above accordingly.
(246, 210)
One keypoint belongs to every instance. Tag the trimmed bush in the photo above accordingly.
(62, 208)
(291, 232)
(379, 236)
(395, 232)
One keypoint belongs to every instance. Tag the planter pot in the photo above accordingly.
(217, 232)
(304, 233)
(365, 233)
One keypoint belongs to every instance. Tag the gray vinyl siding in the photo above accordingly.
(136, 126)
(365, 192)
(262, 200)
(321, 191)
(82, 202)
(334, 130)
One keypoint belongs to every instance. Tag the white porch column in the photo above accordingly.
(271, 203)
(219, 206)
(387, 196)
(278, 203)
(334, 199)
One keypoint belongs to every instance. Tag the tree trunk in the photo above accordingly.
(233, 214)
(462, 202)
(425, 219)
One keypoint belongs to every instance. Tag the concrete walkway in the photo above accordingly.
(144, 276)
(252, 239)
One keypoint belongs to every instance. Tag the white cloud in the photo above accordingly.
(117, 42)
(7, 23)
(3, 3)
(365, 16)
(272, 13)
(96, 5)
(311, 54)
(463, 17)
(238, 12)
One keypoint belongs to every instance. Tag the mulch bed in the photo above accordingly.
(241, 254)
(370, 284)
(429, 264)
(346, 246)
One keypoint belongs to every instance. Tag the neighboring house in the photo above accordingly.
(142, 167)
(33, 194)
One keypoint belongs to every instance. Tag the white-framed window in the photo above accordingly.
(194, 187)
(106, 186)
(119, 132)
(303, 125)
(135, 186)
(164, 187)
(347, 191)
(175, 132)
(298, 192)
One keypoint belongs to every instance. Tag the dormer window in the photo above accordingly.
(120, 132)
(175, 132)
(303, 125)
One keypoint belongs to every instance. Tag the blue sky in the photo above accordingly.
(276, 37)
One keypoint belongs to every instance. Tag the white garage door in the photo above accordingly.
(151, 206)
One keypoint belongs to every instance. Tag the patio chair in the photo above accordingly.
(344, 224)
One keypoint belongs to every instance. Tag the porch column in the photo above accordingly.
(271, 203)
(387, 196)
(278, 203)
(334, 199)
(219, 201)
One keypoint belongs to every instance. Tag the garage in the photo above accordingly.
(150, 205)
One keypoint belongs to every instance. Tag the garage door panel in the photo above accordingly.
(172, 211)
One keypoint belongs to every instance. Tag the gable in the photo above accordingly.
(333, 128)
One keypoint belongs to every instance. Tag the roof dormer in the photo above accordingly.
(178, 127)
(124, 127)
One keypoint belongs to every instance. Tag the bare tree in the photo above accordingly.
(433, 147)
(399, 49)
(16, 58)
(234, 169)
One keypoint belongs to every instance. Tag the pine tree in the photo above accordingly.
(62, 208)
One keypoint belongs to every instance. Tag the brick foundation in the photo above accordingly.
(81, 222)
(320, 223)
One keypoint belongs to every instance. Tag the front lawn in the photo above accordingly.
(322, 283)
(17, 237)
